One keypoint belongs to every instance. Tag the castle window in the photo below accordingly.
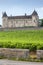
(34, 20)
(26, 21)
(11, 25)
(4, 20)
(11, 21)
(16, 21)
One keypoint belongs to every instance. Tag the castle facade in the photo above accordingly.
(20, 21)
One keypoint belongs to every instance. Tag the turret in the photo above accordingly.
(4, 20)
(35, 18)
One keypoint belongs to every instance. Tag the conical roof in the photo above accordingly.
(34, 13)
(4, 14)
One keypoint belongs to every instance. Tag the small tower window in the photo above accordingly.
(3, 19)
(34, 20)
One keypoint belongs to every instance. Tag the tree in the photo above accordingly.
(42, 23)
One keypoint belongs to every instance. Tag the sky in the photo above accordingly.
(20, 7)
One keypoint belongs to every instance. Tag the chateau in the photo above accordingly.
(20, 21)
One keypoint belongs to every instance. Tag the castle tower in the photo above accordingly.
(35, 18)
(4, 19)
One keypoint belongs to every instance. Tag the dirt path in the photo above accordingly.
(9, 62)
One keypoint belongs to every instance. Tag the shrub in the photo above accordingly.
(33, 48)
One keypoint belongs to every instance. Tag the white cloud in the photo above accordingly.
(40, 12)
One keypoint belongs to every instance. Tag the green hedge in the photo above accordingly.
(30, 46)
(24, 39)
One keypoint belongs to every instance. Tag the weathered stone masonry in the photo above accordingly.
(19, 53)
(16, 53)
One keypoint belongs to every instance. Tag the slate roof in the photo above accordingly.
(34, 13)
(20, 17)
(4, 14)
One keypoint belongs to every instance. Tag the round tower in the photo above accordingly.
(35, 18)
(4, 20)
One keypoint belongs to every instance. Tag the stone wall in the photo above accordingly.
(39, 54)
(19, 22)
(19, 53)
(21, 28)
(16, 53)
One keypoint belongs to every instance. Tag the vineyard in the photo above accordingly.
(25, 39)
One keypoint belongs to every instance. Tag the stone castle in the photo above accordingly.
(20, 21)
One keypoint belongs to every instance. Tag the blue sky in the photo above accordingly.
(20, 7)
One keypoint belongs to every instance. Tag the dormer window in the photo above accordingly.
(25, 14)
